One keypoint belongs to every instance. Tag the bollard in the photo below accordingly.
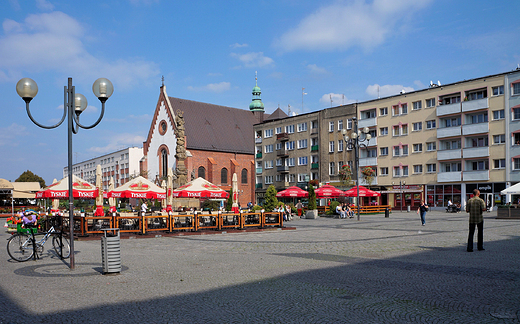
(408, 208)
(387, 212)
(111, 251)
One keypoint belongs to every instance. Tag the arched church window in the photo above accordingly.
(164, 163)
(223, 175)
(244, 175)
(201, 172)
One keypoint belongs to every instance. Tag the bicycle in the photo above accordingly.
(23, 246)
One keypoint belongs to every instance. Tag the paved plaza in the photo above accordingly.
(328, 270)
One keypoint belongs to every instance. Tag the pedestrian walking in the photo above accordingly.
(475, 207)
(423, 208)
(299, 208)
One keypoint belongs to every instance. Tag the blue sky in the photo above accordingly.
(209, 51)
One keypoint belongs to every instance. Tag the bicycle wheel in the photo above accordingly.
(63, 251)
(20, 247)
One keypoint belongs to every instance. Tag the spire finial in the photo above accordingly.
(162, 79)
(256, 78)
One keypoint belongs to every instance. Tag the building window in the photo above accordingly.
(383, 131)
(278, 130)
(499, 139)
(268, 179)
(479, 118)
(163, 127)
(383, 151)
(479, 165)
(279, 177)
(332, 168)
(302, 127)
(302, 143)
(331, 147)
(417, 126)
(278, 146)
(431, 146)
(417, 148)
(340, 125)
(289, 145)
(417, 168)
(244, 176)
(302, 177)
(383, 111)
(476, 94)
(269, 148)
(223, 175)
(397, 171)
(290, 162)
(268, 164)
(499, 114)
(289, 129)
(516, 113)
(430, 124)
(268, 133)
(430, 103)
(431, 168)
(164, 163)
(498, 90)
(302, 160)
(349, 123)
(340, 145)
(499, 164)
(279, 162)
(201, 172)
(516, 164)
(417, 105)
(383, 171)
(331, 126)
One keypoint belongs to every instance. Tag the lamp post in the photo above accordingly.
(73, 104)
(354, 141)
(401, 184)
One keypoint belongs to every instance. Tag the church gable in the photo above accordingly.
(160, 123)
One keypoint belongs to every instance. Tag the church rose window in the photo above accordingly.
(163, 127)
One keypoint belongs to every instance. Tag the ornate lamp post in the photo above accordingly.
(354, 141)
(401, 184)
(74, 104)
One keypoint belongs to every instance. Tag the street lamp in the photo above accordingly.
(73, 103)
(401, 184)
(356, 140)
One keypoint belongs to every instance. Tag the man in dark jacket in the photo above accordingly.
(475, 207)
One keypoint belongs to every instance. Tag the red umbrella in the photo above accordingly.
(138, 188)
(293, 192)
(60, 190)
(328, 191)
(199, 188)
(363, 192)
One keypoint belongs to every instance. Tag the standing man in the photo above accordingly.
(144, 208)
(299, 207)
(475, 207)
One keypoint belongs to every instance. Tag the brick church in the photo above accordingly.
(219, 141)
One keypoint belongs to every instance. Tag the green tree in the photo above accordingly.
(28, 176)
(270, 199)
(229, 202)
(312, 198)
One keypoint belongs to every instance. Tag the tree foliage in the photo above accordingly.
(229, 202)
(28, 176)
(270, 199)
(312, 198)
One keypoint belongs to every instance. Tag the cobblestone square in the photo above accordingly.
(328, 270)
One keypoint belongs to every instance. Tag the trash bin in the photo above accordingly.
(387, 212)
(408, 208)
(111, 251)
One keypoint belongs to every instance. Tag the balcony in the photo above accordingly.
(314, 148)
(282, 169)
(314, 131)
(481, 175)
(473, 105)
(449, 131)
(448, 109)
(475, 152)
(258, 186)
(258, 155)
(258, 170)
(362, 182)
(315, 165)
(449, 154)
(282, 153)
(258, 140)
(367, 161)
(478, 128)
(449, 176)
(371, 142)
(368, 122)
(282, 137)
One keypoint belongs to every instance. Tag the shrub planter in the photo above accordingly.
(508, 213)
(311, 214)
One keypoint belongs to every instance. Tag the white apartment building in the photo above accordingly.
(122, 165)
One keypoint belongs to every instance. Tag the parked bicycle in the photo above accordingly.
(24, 245)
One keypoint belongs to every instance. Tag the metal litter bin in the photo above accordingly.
(387, 212)
(111, 251)
(408, 209)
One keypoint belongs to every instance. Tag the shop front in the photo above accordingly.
(400, 197)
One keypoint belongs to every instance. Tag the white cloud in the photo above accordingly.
(253, 59)
(237, 45)
(55, 42)
(44, 5)
(117, 141)
(347, 24)
(313, 68)
(386, 90)
(213, 87)
(338, 99)
(10, 133)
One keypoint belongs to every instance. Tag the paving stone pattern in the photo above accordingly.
(376, 270)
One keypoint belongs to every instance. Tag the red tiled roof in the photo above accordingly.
(216, 128)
